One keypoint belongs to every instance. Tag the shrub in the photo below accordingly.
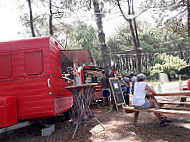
(167, 64)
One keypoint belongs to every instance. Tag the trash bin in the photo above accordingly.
(8, 111)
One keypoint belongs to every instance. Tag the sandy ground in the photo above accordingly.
(118, 128)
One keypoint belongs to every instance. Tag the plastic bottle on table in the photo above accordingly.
(159, 88)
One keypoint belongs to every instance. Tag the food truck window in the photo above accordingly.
(33, 62)
(6, 66)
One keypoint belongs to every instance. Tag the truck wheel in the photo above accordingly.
(3, 135)
(69, 114)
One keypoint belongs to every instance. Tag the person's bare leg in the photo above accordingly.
(104, 102)
(109, 102)
(155, 105)
(158, 116)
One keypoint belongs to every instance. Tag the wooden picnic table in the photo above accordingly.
(83, 94)
(176, 93)
(167, 110)
(182, 94)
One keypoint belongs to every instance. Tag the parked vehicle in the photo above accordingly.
(92, 74)
(32, 79)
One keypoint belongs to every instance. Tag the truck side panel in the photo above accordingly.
(31, 71)
(27, 65)
(63, 99)
(33, 99)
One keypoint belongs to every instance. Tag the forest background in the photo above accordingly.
(150, 36)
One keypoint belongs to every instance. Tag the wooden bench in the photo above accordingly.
(174, 103)
(167, 111)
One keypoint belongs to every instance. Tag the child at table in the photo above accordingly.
(143, 98)
(77, 78)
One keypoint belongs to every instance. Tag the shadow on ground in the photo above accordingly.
(118, 126)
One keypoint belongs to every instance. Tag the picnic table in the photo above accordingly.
(182, 94)
(167, 110)
(183, 99)
(174, 93)
(83, 94)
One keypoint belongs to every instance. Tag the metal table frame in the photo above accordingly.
(82, 96)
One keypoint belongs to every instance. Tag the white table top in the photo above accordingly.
(176, 93)
(81, 85)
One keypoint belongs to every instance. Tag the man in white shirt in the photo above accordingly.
(144, 100)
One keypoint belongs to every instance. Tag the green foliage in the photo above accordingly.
(167, 64)
(60, 9)
(159, 60)
(122, 39)
(83, 36)
(148, 39)
(170, 17)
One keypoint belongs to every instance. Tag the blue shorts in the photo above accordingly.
(144, 106)
(106, 94)
(126, 89)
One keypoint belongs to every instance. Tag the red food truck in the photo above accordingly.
(92, 74)
(31, 79)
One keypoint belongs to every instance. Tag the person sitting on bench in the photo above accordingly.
(143, 98)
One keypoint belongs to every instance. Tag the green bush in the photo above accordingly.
(167, 64)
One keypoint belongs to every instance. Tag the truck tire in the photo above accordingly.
(3, 135)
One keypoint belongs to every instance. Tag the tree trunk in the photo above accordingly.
(101, 37)
(188, 20)
(31, 18)
(50, 18)
(138, 51)
(188, 17)
(134, 32)
(104, 51)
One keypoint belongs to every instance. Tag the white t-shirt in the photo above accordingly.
(139, 94)
(77, 80)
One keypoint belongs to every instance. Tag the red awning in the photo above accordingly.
(76, 56)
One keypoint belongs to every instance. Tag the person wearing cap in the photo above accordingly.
(127, 81)
(143, 98)
(138, 73)
(133, 81)
(124, 89)
(127, 91)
